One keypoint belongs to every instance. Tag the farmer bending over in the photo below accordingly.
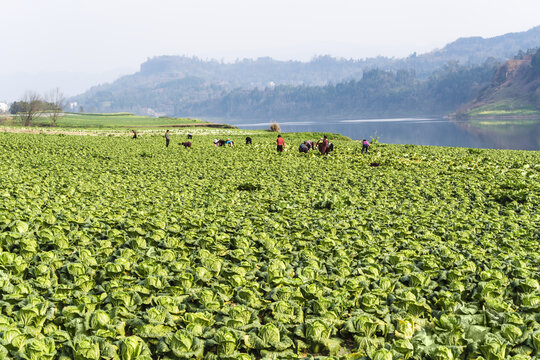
(323, 145)
(365, 146)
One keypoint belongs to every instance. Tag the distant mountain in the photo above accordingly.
(514, 90)
(475, 50)
(166, 83)
(171, 84)
(465, 51)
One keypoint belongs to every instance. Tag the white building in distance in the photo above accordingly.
(4, 108)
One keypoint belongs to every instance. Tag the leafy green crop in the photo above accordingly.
(113, 248)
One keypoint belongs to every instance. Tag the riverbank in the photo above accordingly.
(498, 116)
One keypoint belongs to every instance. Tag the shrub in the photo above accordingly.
(275, 127)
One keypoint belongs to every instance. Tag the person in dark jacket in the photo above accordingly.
(303, 148)
(330, 148)
(167, 138)
(248, 141)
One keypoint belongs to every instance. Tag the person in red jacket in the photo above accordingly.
(280, 143)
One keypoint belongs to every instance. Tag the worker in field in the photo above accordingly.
(323, 145)
(280, 143)
(303, 148)
(365, 146)
(134, 134)
(248, 140)
(309, 144)
(167, 138)
(330, 148)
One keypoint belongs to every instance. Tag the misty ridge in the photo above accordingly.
(434, 83)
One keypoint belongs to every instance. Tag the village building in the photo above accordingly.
(4, 108)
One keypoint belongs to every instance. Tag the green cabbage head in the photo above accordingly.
(99, 319)
(269, 334)
(317, 330)
(443, 353)
(226, 341)
(42, 349)
(511, 332)
(382, 354)
(134, 348)
(184, 345)
(84, 348)
(494, 348)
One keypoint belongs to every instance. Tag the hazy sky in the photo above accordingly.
(101, 35)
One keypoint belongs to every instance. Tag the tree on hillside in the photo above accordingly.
(535, 62)
(56, 104)
(30, 107)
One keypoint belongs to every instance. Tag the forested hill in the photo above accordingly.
(171, 84)
(378, 93)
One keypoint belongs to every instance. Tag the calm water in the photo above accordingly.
(496, 134)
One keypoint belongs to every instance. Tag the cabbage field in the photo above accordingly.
(113, 248)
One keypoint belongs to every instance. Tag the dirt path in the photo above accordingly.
(213, 129)
(26, 130)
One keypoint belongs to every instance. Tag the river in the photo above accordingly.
(488, 134)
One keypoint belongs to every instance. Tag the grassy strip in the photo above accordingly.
(113, 120)
(504, 109)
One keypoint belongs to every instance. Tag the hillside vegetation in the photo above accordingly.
(114, 248)
(514, 91)
(377, 94)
